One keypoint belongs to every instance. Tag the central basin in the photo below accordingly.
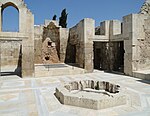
(90, 94)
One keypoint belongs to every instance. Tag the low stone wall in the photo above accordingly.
(97, 85)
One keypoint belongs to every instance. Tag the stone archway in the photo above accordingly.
(25, 34)
(10, 10)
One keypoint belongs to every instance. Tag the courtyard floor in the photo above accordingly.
(35, 96)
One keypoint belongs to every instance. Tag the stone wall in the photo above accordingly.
(134, 32)
(64, 34)
(134, 38)
(38, 32)
(108, 46)
(144, 52)
(25, 34)
(75, 45)
(80, 44)
(11, 53)
(144, 48)
(50, 43)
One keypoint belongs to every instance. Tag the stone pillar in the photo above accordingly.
(64, 33)
(89, 32)
(0, 18)
(28, 48)
(22, 20)
(127, 34)
(115, 28)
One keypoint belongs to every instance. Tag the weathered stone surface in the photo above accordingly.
(51, 44)
(118, 45)
(25, 35)
(87, 98)
(145, 9)
(58, 37)
(11, 53)
(49, 52)
(80, 44)
(97, 85)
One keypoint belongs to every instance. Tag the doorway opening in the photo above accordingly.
(10, 58)
(105, 58)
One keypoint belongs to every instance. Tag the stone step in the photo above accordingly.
(144, 74)
(45, 72)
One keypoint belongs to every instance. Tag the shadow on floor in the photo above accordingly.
(73, 64)
(114, 72)
(17, 72)
(144, 81)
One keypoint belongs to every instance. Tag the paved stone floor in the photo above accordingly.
(35, 96)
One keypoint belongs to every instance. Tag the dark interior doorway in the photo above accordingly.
(104, 58)
(71, 54)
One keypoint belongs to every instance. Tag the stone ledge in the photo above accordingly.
(13, 36)
(145, 74)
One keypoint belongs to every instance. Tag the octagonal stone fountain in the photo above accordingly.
(90, 94)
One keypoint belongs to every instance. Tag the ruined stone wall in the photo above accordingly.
(38, 32)
(136, 43)
(51, 47)
(144, 48)
(134, 31)
(10, 53)
(108, 46)
(25, 34)
(50, 43)
(47, 43)
(80, 44)
(64, 35)
(144, 52)
(75, 46)
(103, 29)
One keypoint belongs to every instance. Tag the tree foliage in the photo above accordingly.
(54, 17)
(63, 19)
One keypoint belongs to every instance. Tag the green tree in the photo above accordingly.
(54, 17)
(63, 19)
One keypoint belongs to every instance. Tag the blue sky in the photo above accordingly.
(99, 10)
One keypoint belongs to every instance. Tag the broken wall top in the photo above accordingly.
(145, 9)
